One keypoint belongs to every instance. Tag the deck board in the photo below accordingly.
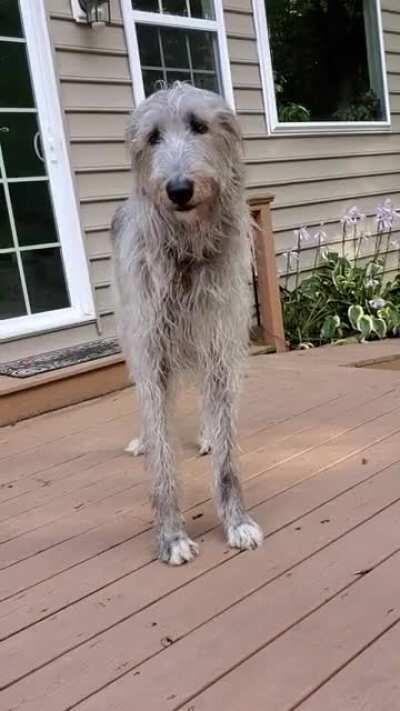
(90, 620)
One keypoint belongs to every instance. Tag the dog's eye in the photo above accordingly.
(155, 137)
(198, 126)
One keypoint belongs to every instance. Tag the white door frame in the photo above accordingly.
(65, 204)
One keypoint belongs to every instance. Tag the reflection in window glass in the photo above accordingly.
(175, 7)
(33, 213)
(45, 279)
(10, 21)
(15, 85)
(321, 64)
(197, 8)
(11, 296)
(21, 145)
(5, 229)
(177, 55)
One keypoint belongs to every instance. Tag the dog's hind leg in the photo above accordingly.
(175, 547)
(241, 530)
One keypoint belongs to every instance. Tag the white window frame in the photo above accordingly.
(65, 204)
(274, 126)
(131, 17)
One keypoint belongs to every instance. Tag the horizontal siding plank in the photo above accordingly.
(98, 243)
(249, 100)
(97, 95)
(91, 155)
(294, 215)
(242, 49)
(392, 42)
(252, 123)
(98, 214)
(325, 169)
(239, 23)
(92, 65)
(79, 36)
(289, 147)
(392, 62)
(105, 126)
(391, 21)
(95, 183)
(246, 74)
(100, 269)
(319, 191)
(239, 5)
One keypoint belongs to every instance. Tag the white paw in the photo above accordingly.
(245, 535)
(136, 447)
(178, 551)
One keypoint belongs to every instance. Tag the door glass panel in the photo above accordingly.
(26, 211)
(21, 144)
(5, 230)
(15, 82)
(11, 297)
(33, 213)
(45, 279)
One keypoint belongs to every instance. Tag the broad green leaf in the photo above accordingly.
(329, 327)
(355, 312)
(379, 327)
(365, 326)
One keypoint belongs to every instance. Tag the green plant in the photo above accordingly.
(344, 298)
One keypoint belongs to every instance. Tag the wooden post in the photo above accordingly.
(267, 278)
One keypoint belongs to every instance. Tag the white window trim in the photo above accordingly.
(64, 199)
(131, 17)
(274, 126)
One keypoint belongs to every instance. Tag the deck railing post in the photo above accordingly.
(267, 277)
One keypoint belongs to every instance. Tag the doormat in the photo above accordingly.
(55, 360)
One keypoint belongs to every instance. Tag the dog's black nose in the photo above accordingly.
(180, 191)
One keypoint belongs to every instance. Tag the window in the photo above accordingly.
(323, 64)
(177, 40)
(44, 281)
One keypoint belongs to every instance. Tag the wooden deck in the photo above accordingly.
(311, 621)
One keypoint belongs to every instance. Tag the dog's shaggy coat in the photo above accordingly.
(181, 265)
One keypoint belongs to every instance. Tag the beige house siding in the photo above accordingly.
(314, 178)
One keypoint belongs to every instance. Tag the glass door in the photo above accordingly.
(34, 285)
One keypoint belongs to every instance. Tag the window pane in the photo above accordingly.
(5, 229)
(174, 48)
(33, 213)
(206, 81)
(202, 8)
(178, 76)
(149, 46)
(320, 61)
(151, 80)
(45, 279)
(186, 55)
(11, 296)
(175, 7)
(202, 50)
(15, 85)
(145, 5)
(10, 21)
(21, 144)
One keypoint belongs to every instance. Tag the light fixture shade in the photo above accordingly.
(98, 12)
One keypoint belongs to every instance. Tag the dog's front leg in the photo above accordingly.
(175, 547)
(241, 530)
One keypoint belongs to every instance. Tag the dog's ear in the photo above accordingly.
(230, 124)
(134, 140)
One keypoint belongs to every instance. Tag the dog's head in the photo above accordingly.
(186, 152)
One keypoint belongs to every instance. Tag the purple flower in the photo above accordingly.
(353, 216)
(385, 214)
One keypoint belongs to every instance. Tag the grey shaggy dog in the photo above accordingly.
(181, 259)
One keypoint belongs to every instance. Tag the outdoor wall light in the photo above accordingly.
(96, 13)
